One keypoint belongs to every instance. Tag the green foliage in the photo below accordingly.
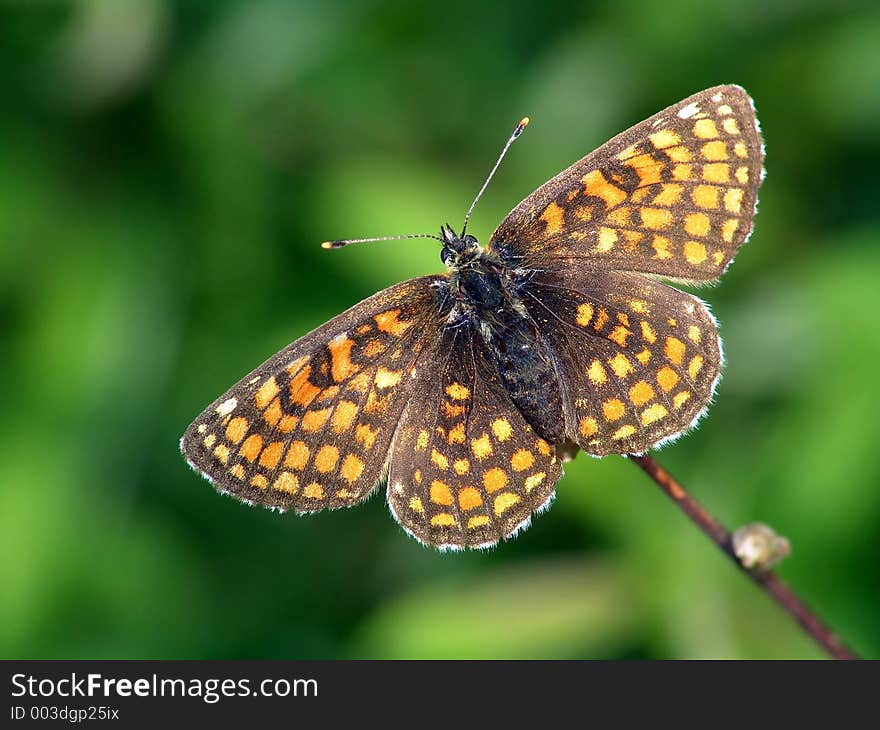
(167, 171)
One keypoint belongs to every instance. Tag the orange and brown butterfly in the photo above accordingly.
(463, 391)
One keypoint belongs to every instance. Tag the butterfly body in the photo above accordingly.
(488, 297)
(463, 391)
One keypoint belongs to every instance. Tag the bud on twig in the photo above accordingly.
(758, 547)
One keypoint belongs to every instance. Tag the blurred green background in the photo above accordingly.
(167, 171)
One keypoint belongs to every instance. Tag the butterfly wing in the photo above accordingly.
(310, 428)
(674, 195)
(466, 468)
(639, 359)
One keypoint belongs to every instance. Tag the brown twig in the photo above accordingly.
(767, 579)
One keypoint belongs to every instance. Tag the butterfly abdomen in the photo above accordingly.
(488, 297)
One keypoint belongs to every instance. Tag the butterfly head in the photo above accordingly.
(457, 249)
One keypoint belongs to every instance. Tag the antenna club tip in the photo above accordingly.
(327, 244)
(524, 122)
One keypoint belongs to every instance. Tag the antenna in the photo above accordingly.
(348, 241)
(523, 123)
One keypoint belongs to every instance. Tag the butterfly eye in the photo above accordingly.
(447, 255)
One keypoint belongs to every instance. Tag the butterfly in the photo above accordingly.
(465, 391)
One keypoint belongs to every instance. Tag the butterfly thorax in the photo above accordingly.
(487, 297)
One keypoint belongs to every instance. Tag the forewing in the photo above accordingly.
(466, 468)
(310, 428)
(674, 195)
(639, 359)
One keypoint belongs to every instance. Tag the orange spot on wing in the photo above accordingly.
(221, 453)
(714, 151)
(326, 458)
(373, 348)
(584, 314)
(656, 218)
(554, 218)
(716, 172)
(502, 429)
(314, 491)
(669, 195)
(469, 498)
(705, 129)
(674, 350)
(297, 455)
(534, 480)
(679, 154)
(439, 459)
(596, 185)
(343, 416)
(250, 449)
(522, 460)
(621, 365)
(588, 427)
(619, 335)
(286, 482)
(641, 393)
(733, 200)
(504, 502)
(697, 224)
(648, 169)
(482, 447)
(494, 479)
(288, 423)
(314, 420)
(365, 435)
(667, 378)
(682, 172)
(694, 252)
(596, 373)
(266, 393)
(273, 413)
(387, 378)
(390, 323)
(456, 434)
(623, 432)
(440, 493)
(351, 469)
(664, 138)
(296, 365)
(272, 455)
(236, 429)
(301, 390)
(706, 196)
(340, 352)
(613, 409)
(457, 391)
(450, 410)
(728, 229)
